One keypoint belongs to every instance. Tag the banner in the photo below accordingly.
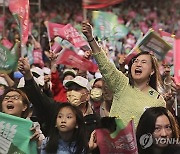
(124, 142)
(15, 135)
(152, 42)
(9, 59)
(37, 57)
(71, 58)
(95, 4)
(20, 8)
(176, 60)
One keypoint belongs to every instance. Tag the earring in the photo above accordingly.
(76, 126)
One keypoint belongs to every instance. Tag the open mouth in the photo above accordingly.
(138, 71)
(10, 106)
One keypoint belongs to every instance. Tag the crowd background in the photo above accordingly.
(138, 15)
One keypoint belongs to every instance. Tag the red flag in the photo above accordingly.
(6, 43)
(67, 32)
(21, 9)
(72, 35)
(95, 4)
(124, 142)
(54, 29)
(176, 60)
(71, 58)
(37, 57)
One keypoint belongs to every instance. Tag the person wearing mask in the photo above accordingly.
(58, 80)
(77, 94)
(161, 132)
(132, 94)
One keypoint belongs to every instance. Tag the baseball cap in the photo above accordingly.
(81, 81)
(3, 81)
(69, 71)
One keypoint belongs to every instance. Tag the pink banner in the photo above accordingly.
(123, 143)
(37, 57)
(176, 60)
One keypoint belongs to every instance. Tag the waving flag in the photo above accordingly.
(67, 32)
(123, 141)
(20, 9)
(15, 135)
(9, 59)
(95, 4)
(54, 29)
(71, 58)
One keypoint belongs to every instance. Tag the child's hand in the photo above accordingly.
(93, 141)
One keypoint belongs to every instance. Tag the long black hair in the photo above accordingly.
(147, 122)
(79, 136)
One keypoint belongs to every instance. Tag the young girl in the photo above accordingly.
(67, 134)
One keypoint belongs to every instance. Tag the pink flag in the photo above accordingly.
(176, 60)
(20, 8)
(124, 142)
(71, 58)
(54, 29)
(5, 42)
(72, 35)
(95, 4)
(67, 32)
(37, 57)
(2, 19)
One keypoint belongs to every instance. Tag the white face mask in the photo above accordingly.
(96, 94)
(74, 97)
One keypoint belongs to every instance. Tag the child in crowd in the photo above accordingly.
(67, 134)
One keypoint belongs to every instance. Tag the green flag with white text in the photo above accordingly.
(15, 135)
(9, 58)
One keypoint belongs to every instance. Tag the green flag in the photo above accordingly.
(9, 59)
(15, 135)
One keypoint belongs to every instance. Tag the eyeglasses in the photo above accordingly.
(14, 97)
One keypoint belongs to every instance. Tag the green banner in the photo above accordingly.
(8, 59)
(15, 135)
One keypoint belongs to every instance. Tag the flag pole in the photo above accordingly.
(49, 39)
(84, 14)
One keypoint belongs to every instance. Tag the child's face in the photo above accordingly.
(66, 120)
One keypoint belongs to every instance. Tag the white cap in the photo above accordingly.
(46, 70)
(83, 82)
(3, 81)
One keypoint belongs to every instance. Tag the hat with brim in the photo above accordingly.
(79, 80)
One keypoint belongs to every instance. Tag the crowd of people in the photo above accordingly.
(69, 103)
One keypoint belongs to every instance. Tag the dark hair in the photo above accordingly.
(25, 100)
(79, 136)
(147, 125)
(155, 79)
